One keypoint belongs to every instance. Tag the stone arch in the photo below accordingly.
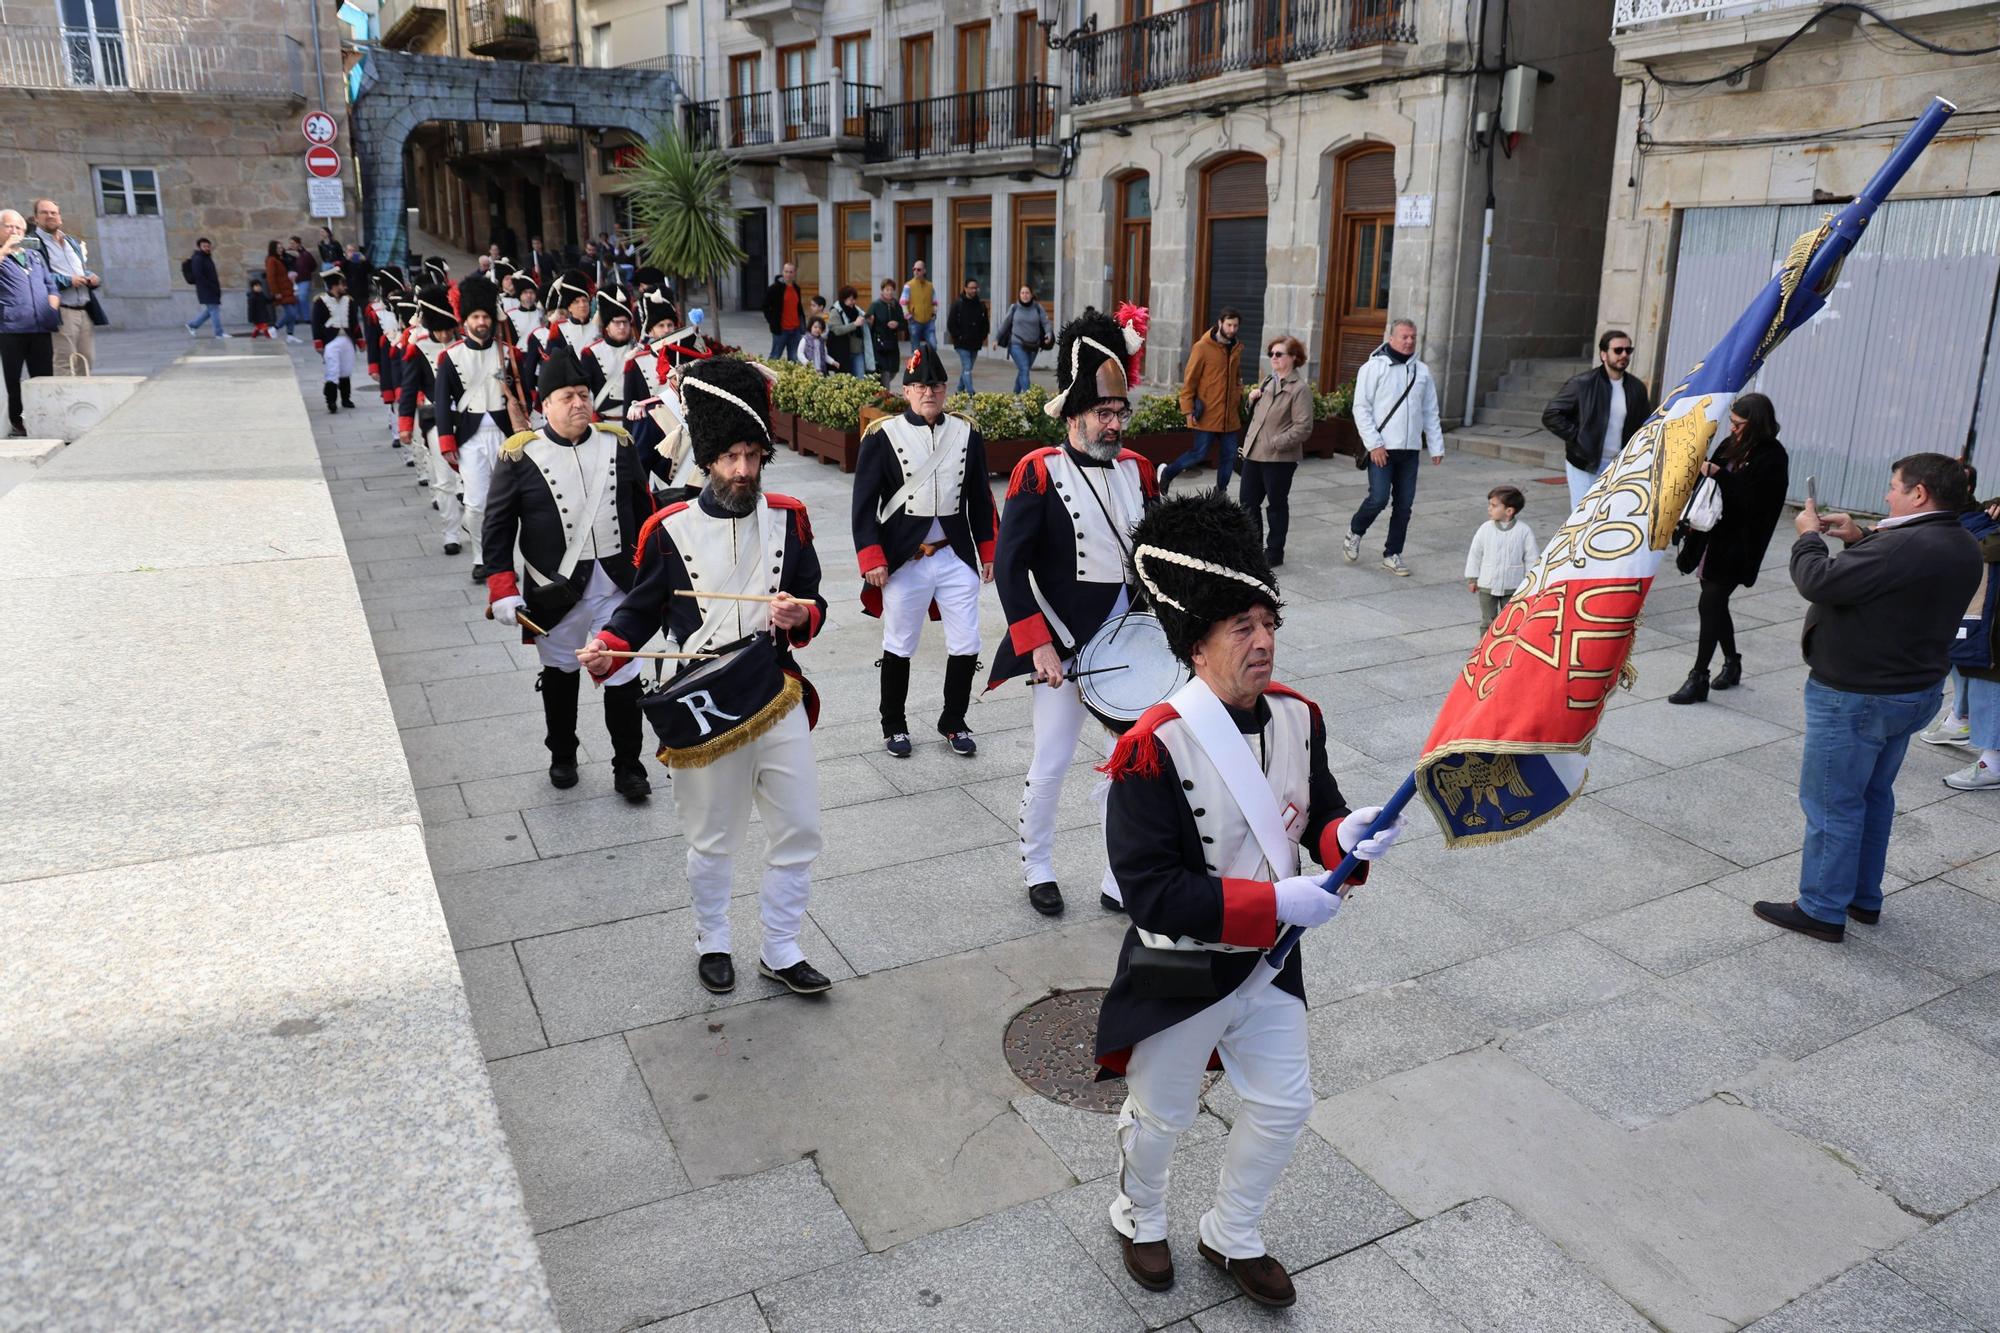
(400, 91)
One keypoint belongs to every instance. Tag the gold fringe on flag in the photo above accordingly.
(712, 749)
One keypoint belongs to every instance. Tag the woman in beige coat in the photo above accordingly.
(1281, 417)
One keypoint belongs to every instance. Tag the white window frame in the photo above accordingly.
(102, 47)
(128, 192)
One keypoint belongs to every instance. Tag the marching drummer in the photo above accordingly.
(924, 532)
(735, 562)
(1061, 572)
(574, 495)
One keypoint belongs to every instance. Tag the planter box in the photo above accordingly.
(871, 415)
(827, 444)
(1165, 446)
(1003, 456)
(784, 429)
(1333, 438)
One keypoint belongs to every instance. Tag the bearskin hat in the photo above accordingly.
(650, 278)
(475, 294)
(435, 270)
(389, 280)
(1090, 364)
(654, 307)
(924, 367)
(568, 286)
(560, 370)
(728, 402)
(434, 308)
(1197, 559)
(611, 303)
(525, 284)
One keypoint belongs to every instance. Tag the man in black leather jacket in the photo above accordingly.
(1590, 420)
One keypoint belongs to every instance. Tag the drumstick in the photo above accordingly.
(730, 596)
(523, 621)
(1077, 675)
(664, 657)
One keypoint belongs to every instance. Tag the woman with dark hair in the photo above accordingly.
(1754, 473)
(278, 285)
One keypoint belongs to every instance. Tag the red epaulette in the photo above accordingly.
(1031, 473)
(1138, 750)
(796, 506)
(1286, 691)
(646, 529)
(1148, 476)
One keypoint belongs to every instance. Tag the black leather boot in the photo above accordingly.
(1731, 673)
(895, 701)
(332, 396)
(959, 672)
(1693, 690)
(346, 392)
(559, 691)
(628, 734)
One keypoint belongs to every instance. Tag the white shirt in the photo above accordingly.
(1614, 426)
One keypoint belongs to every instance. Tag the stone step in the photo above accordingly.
(1515, 400)
(1530, 418)
(1545, 386)
(1530, 448)
(1558, 368)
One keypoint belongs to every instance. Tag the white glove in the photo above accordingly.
(1302, 902)
(1372, 847)
(506, 608)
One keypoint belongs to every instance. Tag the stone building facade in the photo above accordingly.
(155, 122)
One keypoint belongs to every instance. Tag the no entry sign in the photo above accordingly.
(322, 162)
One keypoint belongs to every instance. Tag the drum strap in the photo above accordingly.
(1208, 722)
(743, 578)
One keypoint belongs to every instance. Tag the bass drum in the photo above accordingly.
(1126, 668)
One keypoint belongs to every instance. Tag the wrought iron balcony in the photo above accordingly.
(405, 23)
(1217, 37)
(685, 69)
(503, 29)
(701, 122)
(1636, 13)
(1021, 115)
(136, 58)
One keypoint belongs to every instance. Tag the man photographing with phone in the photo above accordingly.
(1877, 639)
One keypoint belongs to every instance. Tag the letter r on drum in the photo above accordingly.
(702, 705)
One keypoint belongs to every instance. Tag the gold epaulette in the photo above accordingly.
(517, 444)
(623, 434)
(876, 425)
(962, 417)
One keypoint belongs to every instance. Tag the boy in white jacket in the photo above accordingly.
(1501, 552)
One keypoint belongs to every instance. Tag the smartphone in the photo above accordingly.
(1812, 491)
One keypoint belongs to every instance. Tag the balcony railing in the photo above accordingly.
(685, 69)
(503, 29)
(822, 110)
(1022, 115)
(1215, 37)
(746, 120)
(147, 60)
(701, 122)
(1636, 13)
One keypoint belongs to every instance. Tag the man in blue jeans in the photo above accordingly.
(1878, 639)
(1396, 414)
(207, 288)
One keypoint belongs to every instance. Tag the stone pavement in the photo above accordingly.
(1567, 1082)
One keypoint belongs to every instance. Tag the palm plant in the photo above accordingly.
(680, 202)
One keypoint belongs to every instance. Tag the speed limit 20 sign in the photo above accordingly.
(319, 128)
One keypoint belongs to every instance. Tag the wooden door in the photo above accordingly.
(972, 247)
(917, 111)
(743, 74)
(1230, 266)
(913, 239)
(851, 224)
(969, 113)
(853, 68)
(1132, 255)
(1359, 253)
(801, 249)
(1034, 249)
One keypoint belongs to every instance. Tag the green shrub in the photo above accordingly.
(1338, 403)
(1156, 415)
(793, 388)
(835, 401)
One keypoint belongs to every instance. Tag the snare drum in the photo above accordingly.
(1135, 642)
(718, 706)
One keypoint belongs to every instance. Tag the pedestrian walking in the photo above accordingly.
(284, 295)
(199, 269)
(259, 310)
(785, 313)
(1975, 657)
(1753, 473)
(1502, 549)
(966, 324)
(1396, 412)
(1596, 412)
(1212, 401)
(919, 300)
(886, 323)
(30, 313)
(1877, 640)
(304, 266)
(1281, 417)
(75, 346)
(1024, 330)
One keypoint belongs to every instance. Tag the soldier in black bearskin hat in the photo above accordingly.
(1061, 571)
(1213, 793)
(924, 532)
(416, 393)
(525, 315)
(568, 309)
(479, 403)
(756, 547)
(604, 356)
(567, 503)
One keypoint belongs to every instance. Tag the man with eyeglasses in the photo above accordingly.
(1596, 412)
(1064, 549)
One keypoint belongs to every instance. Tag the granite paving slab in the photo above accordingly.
(1362, 1291)
(1087, 1141)
(1719, 806)
(1920, 781)
(503, 1013)
(1940, 927)
(1491, 1269)
(1322, 1207)
(1913, 1107)
(583, 1132)
(1866, 1299)
(1795, 995)
(464, 752)
(739, 1314)
(468, 698)
(1970, 1013)
(644, 1264)
(1924, 844)
(1680, 931)
(1953, 1262)
(563, 893)
(1778, 881)
(602, 821)
(1383, 1032)
(914, 827)
(1668, 735)
(1534, 982)
(1981, 876)
(440, 805)
(1394, 929)
(1014, 1270)
(463, 845)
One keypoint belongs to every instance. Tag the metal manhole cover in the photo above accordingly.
(1049, 1046)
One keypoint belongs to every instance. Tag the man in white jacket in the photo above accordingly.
(1396, 411)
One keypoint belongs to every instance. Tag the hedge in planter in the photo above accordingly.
(829, 425)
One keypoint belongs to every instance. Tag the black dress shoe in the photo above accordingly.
(801, 978)
(479, 573)
(717, 972)
(1045, 898)
(1866, 917)
(452, 548)
(1731, 673)
(562, 773)
(632, 784)
(1263, 1279)
(1693, 690)
(1150, 1262)
(1109, 903)
(1790, 917)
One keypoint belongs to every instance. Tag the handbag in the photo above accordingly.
(1704, 507)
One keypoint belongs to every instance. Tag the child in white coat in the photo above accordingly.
(1502, 550)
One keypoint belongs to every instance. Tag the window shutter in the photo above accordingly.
(1370, 184)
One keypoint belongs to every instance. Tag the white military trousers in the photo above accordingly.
(906, 604)
(1060, 720)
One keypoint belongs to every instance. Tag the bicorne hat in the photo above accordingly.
(924, 367)
(434, 308)
(1091, 354)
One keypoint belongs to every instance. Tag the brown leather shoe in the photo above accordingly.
(1150, 1262)
(1263, 1279)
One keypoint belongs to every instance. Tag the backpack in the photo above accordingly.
(187, 270)
(1972, 647)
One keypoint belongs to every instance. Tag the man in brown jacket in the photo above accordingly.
(1212, 401)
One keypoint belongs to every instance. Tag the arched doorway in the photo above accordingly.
(1132, 239)
(1230, 250)
(1358, 254)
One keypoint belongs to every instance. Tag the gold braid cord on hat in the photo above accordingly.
(730, 398)
(1153, 589)
(1055, 404)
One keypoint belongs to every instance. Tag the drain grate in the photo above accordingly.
(1049, 1046)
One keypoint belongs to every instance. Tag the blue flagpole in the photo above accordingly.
(1288, 941)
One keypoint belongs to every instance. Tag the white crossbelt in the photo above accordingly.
(917, 481)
